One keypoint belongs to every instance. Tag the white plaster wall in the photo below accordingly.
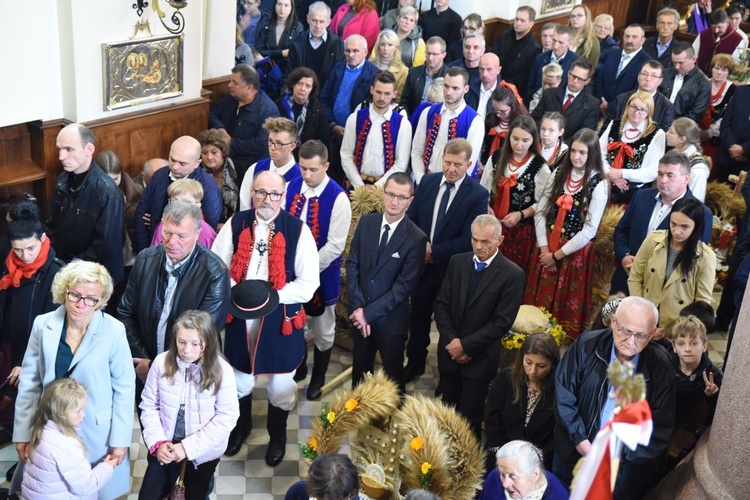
(219, 35)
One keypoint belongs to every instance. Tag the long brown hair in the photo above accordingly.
(593, 164)
(527, 124)
(59, 399)
(542, 344)
(210, 369)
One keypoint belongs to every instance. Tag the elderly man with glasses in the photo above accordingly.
(268, 244)
(585, 400)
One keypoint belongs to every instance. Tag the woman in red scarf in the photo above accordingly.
(515, 184)
(631, 147)
(25, 282)
(561, 276)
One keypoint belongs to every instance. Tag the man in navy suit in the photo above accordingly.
(443, 208)
(476, 307)
(649, 211)
(573, 101)
(618, 72)
(386, 257)
(734, 152)
(561, 40)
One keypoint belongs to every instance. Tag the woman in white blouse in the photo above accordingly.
(631, 147)
(685, 137)
(561, 276)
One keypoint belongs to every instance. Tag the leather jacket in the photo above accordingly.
(202, 283)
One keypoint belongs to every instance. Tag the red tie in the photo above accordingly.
(566, 105)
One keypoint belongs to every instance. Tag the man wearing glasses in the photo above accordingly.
(282, 141)
(385, 259)
(585, 400)
(240, 116)
(267, 243)
(420, 77)
(649, 79)
(577, 105)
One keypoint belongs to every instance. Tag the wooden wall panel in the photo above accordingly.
(217, 87)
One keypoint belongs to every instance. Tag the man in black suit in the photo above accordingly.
(649, 79)
(420, 77)
(649, 211)
(385, 258)
(443, 209)
(476, 307)
(734, 151)
(659, 47)
(581, 109)
(685, 85)
(517, 48)
(618, 72)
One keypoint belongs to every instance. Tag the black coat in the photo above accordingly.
(516, 57)
(583, 112)
(20, 306)
(414, 86)
(693, 98)
(505, 421)
(202, 283)
(266, 41)
(90, 224)
(735, 129)
(334, 53)
(581, 390)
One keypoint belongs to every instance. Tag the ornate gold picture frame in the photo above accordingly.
(549, 6)
(141, 71)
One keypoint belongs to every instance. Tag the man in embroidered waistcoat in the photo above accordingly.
(268, 244)
(377, 138)
(385, 258)
(719, 38)
(325, 207)
(443, 208)
(282, 140)
(444, 121)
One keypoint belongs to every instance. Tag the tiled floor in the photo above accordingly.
(246, 475)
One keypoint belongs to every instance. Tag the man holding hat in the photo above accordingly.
(268, 244)
(325, 208)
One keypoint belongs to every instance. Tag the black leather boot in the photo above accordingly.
(276, 425)
(318, 378)
(243, 428)
(301, 373)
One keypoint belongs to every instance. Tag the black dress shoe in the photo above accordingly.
(236, 439)
(276, 450)
(411, 372)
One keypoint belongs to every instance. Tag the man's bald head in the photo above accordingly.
(267, 186)
(150, 168)
(489, 69)
(184, 156)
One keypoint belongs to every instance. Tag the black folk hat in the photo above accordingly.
(252, 299)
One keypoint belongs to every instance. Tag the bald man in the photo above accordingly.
(87, 208)
(148, 171)
(184, 159)
(490, 79)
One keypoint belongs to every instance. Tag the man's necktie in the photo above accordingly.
(479, 266)
(443, 207)
(568, 100)
(383, 240)
(623, 60)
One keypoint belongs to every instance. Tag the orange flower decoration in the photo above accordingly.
(417, 443)
(351, 405)
(313, 443)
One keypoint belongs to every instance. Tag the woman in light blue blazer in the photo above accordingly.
(80, 341)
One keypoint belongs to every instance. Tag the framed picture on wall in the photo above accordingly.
(549, 6)
(141, 71)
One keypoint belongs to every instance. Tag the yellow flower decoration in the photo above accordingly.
(426, 467)
(331, 417)
(351, 405)
(417, 443)
(313, 443)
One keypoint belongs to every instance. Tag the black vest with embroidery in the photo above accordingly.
(640, 147)
(576, 217)
(522, 194)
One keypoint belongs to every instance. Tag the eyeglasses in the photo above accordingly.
(75, 298)
(639, 337)
(576, 78)
(400, 198)
(652, 76)
(638, 110)
(577, 16)
(278, 145)
(263, 194)
(352, 51)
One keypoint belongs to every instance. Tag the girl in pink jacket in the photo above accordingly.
(57, 466)
(189, 406)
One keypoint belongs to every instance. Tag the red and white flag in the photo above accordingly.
(631, 426)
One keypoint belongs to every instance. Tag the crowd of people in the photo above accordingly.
(494, 167)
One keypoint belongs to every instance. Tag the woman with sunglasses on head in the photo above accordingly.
(673, 267)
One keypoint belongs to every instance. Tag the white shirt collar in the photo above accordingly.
(393, 225)
(376, 116)
(488, 261)
(317, 190)
(284, 168)
(456, 184)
